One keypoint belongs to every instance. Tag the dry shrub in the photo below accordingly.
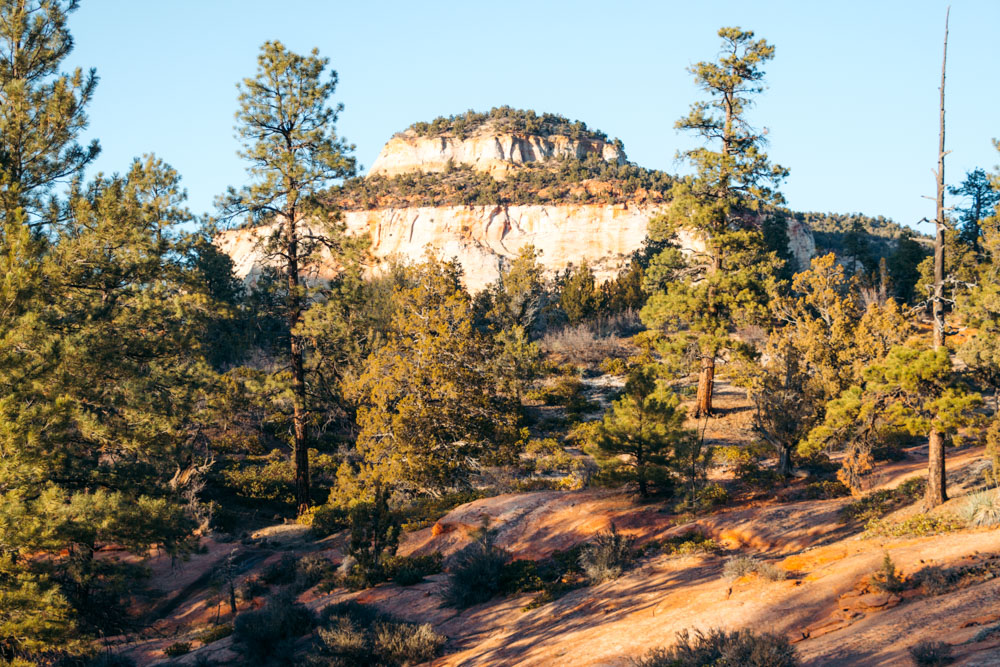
(742, 648)
(476, 573)
(930, 653)
(353, 634)
(594, 341)
(744, 566)
(607, 556)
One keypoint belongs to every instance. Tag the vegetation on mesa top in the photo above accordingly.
(589, 181)
(507, 120)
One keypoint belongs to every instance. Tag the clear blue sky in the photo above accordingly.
(851, 104)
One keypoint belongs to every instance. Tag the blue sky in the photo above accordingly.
(851, 105)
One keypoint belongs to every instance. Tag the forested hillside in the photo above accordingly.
(714, 458)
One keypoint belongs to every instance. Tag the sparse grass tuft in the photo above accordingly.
(982, 509)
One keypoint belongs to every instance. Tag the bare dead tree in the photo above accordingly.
(936, 491)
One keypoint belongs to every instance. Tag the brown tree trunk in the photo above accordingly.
(936, 491)
(300, 448)
(706, 385)
(784, 461)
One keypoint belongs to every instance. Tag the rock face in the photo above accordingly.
(495, 153)
(483, 237)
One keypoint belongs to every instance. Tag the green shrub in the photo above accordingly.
(607, 556)
(273, 480)
(929, 653)
(215, 633)
(266, 632)
(177, 649)
(374, 537)
(919, 525)
(988, 632)
(475, 573)
(879, 503)
(739, 648)
(825, 490)
(281, 572)
(410, 570)
(506, 119)
(522, 576)
(352, 634)
(982, 509)
(251, 588)
(325, 519)
(886, 578)
(746, 464)
(689, 544)
(425, 511)
(310, 570)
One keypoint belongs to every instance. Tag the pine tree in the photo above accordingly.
(580, 298)
(642, 431)
(288, 127)
(430, 411)
(982, 198)
(518, 297)
(44, 111)
(913, 390)
(707, 293)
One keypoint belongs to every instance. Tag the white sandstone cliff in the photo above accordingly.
(482, 237)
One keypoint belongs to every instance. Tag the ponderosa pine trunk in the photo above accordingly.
(300, 447)
(706, 386)
(936, 485)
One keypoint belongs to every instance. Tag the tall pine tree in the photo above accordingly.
(288, 126)
(706, 294)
